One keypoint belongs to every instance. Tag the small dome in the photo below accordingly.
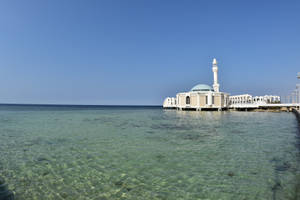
(202, 88)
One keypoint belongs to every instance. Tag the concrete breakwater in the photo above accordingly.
(297, 113)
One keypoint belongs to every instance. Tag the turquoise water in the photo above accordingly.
(148, 153)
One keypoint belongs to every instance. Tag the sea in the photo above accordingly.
(145, 152)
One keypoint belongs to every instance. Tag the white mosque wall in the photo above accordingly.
(201, 100)
(169, 102)
(247, 99)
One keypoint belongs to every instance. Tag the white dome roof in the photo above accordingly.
(202, 88)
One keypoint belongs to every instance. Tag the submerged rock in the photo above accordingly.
(119, 183)
(275, 160)
(285, 166)
(5, 193)
(159, 157)
(192, 137)
(43, 160)
(276, 186)
(231, 174)
(64, 195)
(151, 132)
(45, 173)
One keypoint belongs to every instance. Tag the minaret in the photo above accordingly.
(215, 70)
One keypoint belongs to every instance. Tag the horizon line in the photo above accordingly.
(54, 104)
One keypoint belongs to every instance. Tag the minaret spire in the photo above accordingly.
(216, 85)
(215, 61)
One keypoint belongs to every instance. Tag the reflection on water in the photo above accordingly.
(148, 154)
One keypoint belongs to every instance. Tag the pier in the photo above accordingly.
(285, 107)
(275, 107)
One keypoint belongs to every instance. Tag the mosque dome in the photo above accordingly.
(201, 88)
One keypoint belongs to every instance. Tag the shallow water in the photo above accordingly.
(148, 153)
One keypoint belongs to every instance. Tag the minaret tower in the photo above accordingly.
(215, 71)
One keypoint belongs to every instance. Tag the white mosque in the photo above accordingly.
(205, 97)
(201, 96)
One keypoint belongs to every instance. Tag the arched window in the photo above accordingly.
(187, 100)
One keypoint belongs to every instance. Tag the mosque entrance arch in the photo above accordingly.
(187, 100)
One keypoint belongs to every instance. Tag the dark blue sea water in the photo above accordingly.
(107, 152)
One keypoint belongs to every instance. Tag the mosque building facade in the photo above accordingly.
(201, 96)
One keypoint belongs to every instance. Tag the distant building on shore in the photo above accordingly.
(249, 99)
(205, 97)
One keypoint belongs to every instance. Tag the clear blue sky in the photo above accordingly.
(139, 52)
